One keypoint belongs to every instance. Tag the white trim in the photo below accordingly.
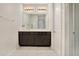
(67, 29)
(63, 29)
(73, 28)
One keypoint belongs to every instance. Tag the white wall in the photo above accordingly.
(57, 28)
(8, 28)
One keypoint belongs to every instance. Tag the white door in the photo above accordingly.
(76, 26)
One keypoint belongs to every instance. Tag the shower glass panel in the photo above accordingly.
(41, 21)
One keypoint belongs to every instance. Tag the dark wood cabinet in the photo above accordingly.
(34, 38)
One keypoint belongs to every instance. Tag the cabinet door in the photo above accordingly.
(25, 39)
(42, 38)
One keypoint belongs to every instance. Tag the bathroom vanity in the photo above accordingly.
(35, 26)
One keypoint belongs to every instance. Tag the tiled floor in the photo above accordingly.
(33, 51)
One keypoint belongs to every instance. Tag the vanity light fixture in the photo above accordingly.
(28, 9)
(42, 9)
